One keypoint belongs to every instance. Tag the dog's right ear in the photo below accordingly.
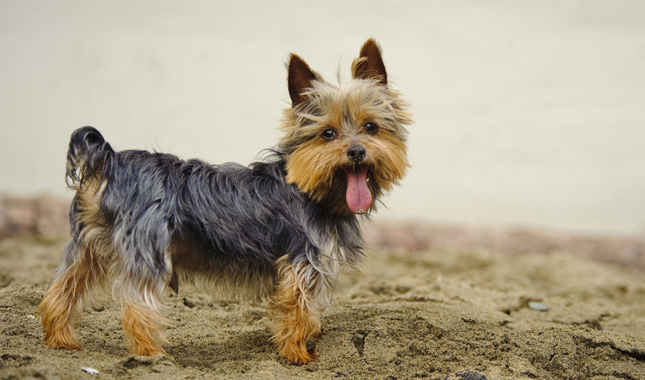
(300, 79)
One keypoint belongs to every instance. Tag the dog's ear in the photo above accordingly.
(369, 65)
(300, 79)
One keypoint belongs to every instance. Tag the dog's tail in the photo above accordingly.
(87, 156)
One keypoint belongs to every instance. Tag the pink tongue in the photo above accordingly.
(359, 198)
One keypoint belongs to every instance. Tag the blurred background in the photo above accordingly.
(527, 114)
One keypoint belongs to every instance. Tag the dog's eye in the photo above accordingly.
(329, 134)
(371, 128)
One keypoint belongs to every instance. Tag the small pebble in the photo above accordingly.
(465, 375)
(188, 302)
(89, 370)
(538, 306)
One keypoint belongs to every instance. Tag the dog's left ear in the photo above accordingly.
(369, 65)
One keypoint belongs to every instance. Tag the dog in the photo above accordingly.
(278, 230)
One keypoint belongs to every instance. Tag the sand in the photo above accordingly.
(432, 314)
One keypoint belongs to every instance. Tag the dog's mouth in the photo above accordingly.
(358, 195)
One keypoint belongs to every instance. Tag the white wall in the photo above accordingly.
(527, 113)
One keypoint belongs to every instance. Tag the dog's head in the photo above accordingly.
(345, 145)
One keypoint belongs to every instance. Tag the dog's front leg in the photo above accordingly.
(296, 307)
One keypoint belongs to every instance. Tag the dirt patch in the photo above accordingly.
(433, 314)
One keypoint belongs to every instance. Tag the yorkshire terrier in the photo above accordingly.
(277, 230)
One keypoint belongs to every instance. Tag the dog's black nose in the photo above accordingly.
(356, 153)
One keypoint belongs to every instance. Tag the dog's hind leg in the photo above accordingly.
(62, 304)
(145, 271)
(141, 317)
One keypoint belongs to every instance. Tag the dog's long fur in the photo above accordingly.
(276, 230)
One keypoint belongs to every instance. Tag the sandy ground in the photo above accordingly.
(435, 314)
